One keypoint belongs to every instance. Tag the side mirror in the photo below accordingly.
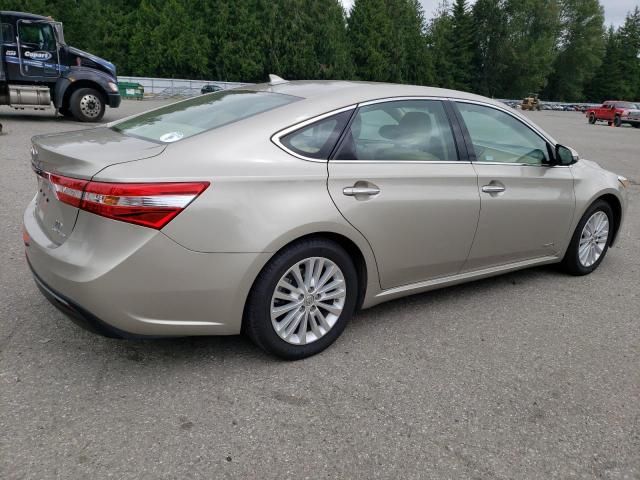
(566, 155)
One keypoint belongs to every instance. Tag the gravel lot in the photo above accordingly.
(530, 375)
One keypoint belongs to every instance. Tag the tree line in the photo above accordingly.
(560, 49)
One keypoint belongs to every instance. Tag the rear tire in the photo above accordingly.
(574, 261)
(281, 316)
(592, 119)
(87, 105)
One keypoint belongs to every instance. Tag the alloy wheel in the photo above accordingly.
(308, 300)
(593, 239)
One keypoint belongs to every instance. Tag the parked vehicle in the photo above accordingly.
(37, 68)
(279, 209)
(210, 88)
(615, 113)
(532, 102)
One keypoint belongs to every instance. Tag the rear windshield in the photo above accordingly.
(184, 119)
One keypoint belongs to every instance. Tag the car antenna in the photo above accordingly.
(276, 80)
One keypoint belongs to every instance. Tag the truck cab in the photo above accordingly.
(38, 70)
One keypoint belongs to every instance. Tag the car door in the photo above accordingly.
(526, 203)
(397, 178)
(37, 49)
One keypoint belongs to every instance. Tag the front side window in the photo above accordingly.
(414, 130)
(38, 35)
(318, 139)
(185, 119)
(499, 137)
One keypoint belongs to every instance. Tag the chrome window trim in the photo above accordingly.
(276, 137)
(511, 164)
(409, 162)
(400, 99)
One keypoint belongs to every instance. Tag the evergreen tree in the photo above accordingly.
(169, 41)
(630, 56)
(581, 48)
(462, 39)
(491, 36)
(369, 32)
(528, 55)
(440, 48)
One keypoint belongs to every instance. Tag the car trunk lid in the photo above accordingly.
(77, 155)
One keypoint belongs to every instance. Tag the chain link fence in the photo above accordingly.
(175, 87)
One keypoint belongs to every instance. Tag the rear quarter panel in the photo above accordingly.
(260, 198)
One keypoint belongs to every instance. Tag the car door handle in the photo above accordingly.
(356, 191)
(493, 189)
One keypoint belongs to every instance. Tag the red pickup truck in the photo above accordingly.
(616, 113)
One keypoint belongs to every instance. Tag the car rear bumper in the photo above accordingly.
(76, 313)
(122, 280)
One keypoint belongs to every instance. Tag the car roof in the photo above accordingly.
(343, 93)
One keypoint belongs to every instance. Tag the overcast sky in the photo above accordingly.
(614, 10)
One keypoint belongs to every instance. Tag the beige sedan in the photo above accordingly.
(280, 209)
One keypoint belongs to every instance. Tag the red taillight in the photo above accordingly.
(68, 190)
(148, 204)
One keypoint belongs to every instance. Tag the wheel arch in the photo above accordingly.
(84, 83)
(616, 205)
(367, 273)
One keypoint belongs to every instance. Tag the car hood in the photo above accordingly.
(105, 64)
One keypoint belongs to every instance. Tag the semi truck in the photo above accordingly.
(39, 71)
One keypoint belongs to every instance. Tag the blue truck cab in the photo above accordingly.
(38, 70)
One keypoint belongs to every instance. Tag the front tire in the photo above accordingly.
(590, 241)
(87, 105)
(302, 300)
(617, 122)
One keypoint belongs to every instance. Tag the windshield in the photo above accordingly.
(185, 119)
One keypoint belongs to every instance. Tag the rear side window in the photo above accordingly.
(185, 119)
(406, 130)
(318, 139)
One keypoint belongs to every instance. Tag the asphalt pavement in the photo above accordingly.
(532, 375)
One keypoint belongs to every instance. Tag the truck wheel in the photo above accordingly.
(636, 125)
(87, 105)
(592, 119)
(617, 121)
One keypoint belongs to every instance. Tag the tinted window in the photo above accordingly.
(37, 35)
(499, 137)
(184, 119)
(6, 33)
(402, 130)
(318, 139)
